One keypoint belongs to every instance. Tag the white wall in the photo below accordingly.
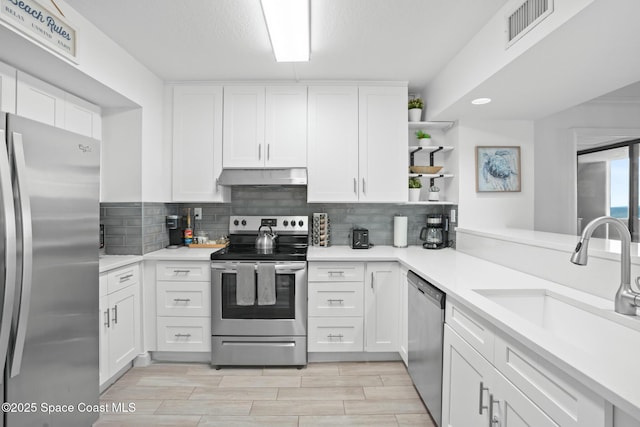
(495, 209)
(556, 137)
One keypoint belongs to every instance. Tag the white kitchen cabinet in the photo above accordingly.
(332, 170)
(354, 136)
(183, 306)
(40, 101)
(120, 320)
(7, 88)
(197, 144)
(479, 367)
(265, 126)
(404, 315)
(382, 307)
(382, 127)
(336, 306)
(474, 392)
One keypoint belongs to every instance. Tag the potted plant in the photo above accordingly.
(414, 188)
(423, 138)
(415, 109)
(434, 193)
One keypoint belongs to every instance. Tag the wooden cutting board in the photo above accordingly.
(209, 245)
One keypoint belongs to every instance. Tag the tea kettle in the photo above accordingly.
(266, 241)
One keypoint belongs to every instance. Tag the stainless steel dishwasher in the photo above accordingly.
(426, 321)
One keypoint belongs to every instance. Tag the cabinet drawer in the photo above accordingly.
(335, 334)
(184, 333)
(195, 271)
(183, 299)
(472, 329)
(123, 277)
(336, 271)
(336, 299)
(565, 401)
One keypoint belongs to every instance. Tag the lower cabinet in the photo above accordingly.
(404, 316)
(120, 324)
(353, 306)
(183, 306)
(511, 388)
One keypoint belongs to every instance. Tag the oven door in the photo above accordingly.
(287, 317)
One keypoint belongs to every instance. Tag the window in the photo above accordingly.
(608, 185)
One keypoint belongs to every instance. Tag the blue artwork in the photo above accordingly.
(497, 169)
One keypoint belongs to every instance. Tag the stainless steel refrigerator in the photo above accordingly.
(49, 220)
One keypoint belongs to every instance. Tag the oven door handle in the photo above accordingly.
(280, 268)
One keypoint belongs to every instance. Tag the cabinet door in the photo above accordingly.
(105, 324)
(82, 117)
(382, 306)
(197, 143)
(513, 409)
(383, 130)
(332, 160)
(243, 130)
(123, 306)
(7, 88)
(286, 126)
(39, 101)
(466, 378)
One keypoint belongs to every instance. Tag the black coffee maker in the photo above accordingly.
(176, 238)
(435, 234)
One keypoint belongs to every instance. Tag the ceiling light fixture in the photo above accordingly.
(288, 24)
(481, 101)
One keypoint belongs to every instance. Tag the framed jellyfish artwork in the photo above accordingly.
(497, 169)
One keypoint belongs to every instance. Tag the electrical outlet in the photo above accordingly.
(453, 216)
(197, 213)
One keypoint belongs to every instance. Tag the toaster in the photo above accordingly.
(359, 238)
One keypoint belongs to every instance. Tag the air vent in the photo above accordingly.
(525, 17)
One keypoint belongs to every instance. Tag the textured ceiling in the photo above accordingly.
(350, 39)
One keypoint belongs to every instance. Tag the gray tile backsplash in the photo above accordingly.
(139, 228)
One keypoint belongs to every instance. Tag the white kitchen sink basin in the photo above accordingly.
(581, 325)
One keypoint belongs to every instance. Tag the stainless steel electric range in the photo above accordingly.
(259, 296)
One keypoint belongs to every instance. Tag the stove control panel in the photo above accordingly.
(279, 224)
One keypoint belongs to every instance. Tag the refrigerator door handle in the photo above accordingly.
(10, 258)
(27, 252)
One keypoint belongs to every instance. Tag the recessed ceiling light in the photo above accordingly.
(481, 101)
(288, 25)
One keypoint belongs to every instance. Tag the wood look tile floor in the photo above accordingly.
(368, 394)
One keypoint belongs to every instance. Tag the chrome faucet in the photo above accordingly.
(626, 299)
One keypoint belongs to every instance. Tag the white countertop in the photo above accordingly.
(457, 274)
(110, 262)
(182, 253)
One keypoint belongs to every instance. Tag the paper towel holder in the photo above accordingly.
(400, 226)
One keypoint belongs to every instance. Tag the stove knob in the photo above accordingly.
(285, 222)
(300, 223)
(293, 223)
(236, 222)
(244, 222)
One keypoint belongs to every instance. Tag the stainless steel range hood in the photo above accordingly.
(290, 176)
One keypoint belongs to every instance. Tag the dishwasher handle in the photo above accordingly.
(433, 294)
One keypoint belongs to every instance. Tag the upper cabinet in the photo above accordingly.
(265, 126)
(45, 103)
(197, 143)
(355, 138)
(7, 88)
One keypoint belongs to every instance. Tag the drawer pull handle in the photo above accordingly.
(182, 335)
(182, 299)
(125, 278)
(339, 301)
(181, 271)
(338, 336)
(336, 274)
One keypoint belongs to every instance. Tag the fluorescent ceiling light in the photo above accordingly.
(288, 25)
(481, 101)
